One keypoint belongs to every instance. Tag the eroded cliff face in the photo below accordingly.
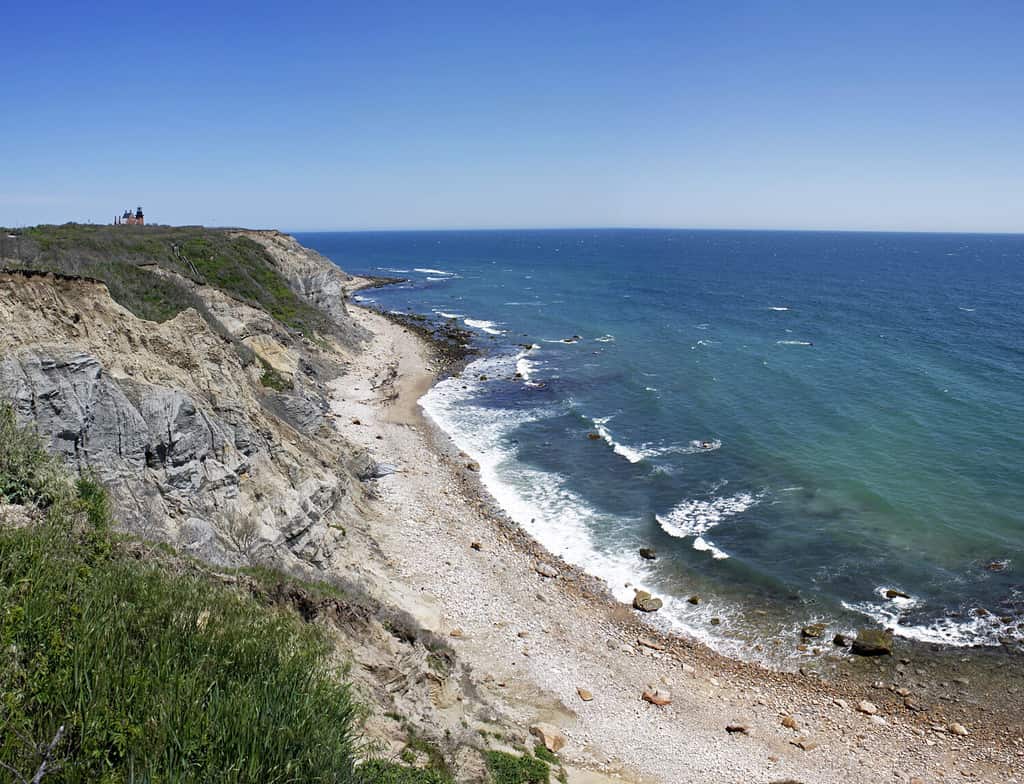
(174, 422)
(313, 277)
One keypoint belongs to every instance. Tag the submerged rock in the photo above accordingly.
(873, 642)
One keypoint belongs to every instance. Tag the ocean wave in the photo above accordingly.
(695, 517)
(631, 454)
(393, 269)
(487, 326)
(606, 339)
(777, 307)
(442, 314)
(793, 343)
(971, 631)
(541, 502)
(449, 277)
(429, 271)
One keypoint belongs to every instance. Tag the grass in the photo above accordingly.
(154, 676)
(121, 256)
(509, 769)
(271, 379)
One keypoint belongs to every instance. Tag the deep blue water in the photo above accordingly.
(862, 395)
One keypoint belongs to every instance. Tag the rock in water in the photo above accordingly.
(648, 553)
(893, 593)
(873, 642)
(644, 602)
(550, 735)
(813, 630)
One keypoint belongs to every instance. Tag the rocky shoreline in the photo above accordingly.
(245, 441)
(929, 689)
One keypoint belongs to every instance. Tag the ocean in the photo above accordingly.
(806, 426)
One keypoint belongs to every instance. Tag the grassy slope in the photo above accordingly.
(121, 256)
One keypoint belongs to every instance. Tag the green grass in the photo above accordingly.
(392, 773)
(120, 257)
(271, 379)
(155, 676)
(509, 769)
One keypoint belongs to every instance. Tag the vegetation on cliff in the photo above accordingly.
(123, 257)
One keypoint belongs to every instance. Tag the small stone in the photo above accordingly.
(910, 703)
(648, 553)
(550, 735)
(476, 546)
(841, 640)
(455, 633)
(958, 729)
(658, 697)
(545, 570)
(736, 728)
(716, 621)
(813, 630)
(805, 744)
(523, 635)
(878, 720)
(473, 466)
(644, 602)
(694, 600)
(841, 703)
(585, 694)
(790, 723)
(867, 707)
(647, 642)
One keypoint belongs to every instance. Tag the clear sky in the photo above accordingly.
(849, 115)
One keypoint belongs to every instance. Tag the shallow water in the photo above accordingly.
(861, 397)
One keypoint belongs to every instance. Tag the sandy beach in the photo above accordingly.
(540, 636)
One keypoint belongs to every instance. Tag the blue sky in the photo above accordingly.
(391, 115)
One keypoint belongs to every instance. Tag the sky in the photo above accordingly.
(323, 116)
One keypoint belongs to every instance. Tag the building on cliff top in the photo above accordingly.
(130, 218)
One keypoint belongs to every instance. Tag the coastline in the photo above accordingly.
(534, 640)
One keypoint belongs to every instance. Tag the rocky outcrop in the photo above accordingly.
(315, 278)
(171, 419)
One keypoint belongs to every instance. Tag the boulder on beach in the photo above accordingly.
(550, 735)
(644, 602)
(873, 642)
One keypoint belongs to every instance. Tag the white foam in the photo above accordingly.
(606, 339)
(438, 279)
(429, 271)
(632, 455)
(487, 326)
(777, 307)
(793, 343)
(442, 314)
(542, 503)
(695, 517)
(392, 269)
(955, 632)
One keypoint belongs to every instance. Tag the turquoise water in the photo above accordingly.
(861, 396)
